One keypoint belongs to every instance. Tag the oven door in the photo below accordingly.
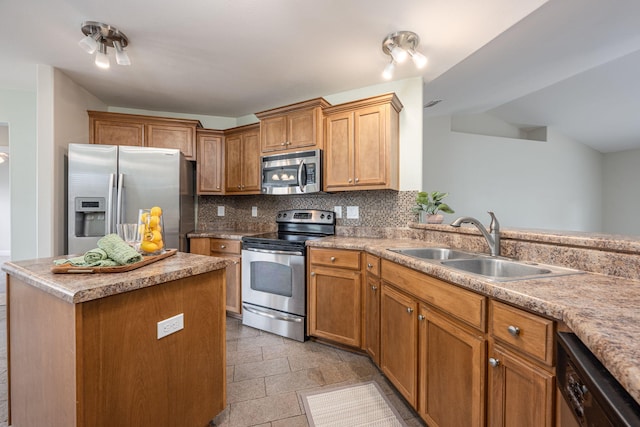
(274, 279)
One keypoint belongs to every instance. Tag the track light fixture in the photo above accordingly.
(400, 46)
(98, 37)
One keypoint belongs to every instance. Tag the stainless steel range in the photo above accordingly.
(274, 275)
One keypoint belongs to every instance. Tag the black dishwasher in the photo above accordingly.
(594, 395)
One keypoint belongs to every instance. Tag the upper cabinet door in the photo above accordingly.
(171, 136)
(371, 152)
(338, 155)
(109, 132)
(210, 161)
(294, 127)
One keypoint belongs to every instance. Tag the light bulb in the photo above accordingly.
(418, 59)
(388, 70)
(90, 42)
(121, 56)
(399, 54)
(102, 60)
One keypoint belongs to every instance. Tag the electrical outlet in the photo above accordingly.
(338, 211)
(220, 210)
(353, 212)
(254, 211)
(170, 325)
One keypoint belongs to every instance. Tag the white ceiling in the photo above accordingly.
(570, 64)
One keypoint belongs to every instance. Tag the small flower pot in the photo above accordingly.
(426, 218)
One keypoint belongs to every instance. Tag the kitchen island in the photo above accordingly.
(83, 349)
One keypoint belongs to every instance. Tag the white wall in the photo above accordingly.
(18, 109)
(208, 122)
(528, 184)
(5, 194)
(621, 199)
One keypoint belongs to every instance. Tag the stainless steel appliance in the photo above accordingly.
(292, 173)
(274, 272)
(590, 391)
(107, 184)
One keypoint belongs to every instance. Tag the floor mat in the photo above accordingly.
(350, 406)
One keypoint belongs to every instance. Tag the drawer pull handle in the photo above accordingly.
(514, 330)
(421, 317)
(409, 310)
(333, 259)
(494, 362)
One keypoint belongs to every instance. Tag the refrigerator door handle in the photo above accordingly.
(109, 218)
(120, 197)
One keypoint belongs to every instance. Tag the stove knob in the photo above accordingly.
(329, 216)
(279, 215)
(321, 216)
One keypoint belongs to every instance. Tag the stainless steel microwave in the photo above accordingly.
(292, 173)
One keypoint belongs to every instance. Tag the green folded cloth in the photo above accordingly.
(95, 255)
(80, 261)
(118, 250)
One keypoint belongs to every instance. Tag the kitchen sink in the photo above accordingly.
(435, 253)
(504, 270)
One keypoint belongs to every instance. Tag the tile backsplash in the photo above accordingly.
(381, 208)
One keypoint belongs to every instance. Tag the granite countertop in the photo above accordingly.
(77, 288)
(601, 310)
(223, 234)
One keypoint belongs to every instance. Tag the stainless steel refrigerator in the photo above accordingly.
(107, 184)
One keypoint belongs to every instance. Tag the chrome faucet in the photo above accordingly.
(492, 236)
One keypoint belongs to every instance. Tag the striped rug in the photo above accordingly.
(357, 405)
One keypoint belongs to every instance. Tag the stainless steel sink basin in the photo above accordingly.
(502, 269)
(434, 253)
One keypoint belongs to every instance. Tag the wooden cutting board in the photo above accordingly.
(68, 268)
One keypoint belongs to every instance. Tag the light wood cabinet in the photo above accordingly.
(293, 127)
(399, 341)
(144, 131)
(242, 160)
(371, 308)
(362, 144)
(100, 364)
(335, 282)
(452, 371)
(521, 372)
(224, 248)
(210, 163)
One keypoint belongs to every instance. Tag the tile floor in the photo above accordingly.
(264, 374)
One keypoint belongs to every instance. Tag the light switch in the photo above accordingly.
(220, 210)
(338, 211)
(353, 212)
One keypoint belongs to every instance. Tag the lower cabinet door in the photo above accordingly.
(399, 341)
(372, 318)
(452, 372)
(234, 285)
(520, 393)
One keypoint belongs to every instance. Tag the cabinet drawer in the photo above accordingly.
(526, 332)
(372, 263)
(335, 258)
(466, 306)
(227, 246)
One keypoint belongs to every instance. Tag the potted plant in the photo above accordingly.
(429, 204)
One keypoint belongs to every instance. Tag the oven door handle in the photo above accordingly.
(270, 251)
(272, 316)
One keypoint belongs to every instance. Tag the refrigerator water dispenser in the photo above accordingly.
(90, 213)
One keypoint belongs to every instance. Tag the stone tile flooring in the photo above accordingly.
(264, 374)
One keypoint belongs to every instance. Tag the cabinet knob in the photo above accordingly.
(409, 310)
(333, 259)
(349, 180)
(513, 330)
(283, 143)
(223, 246)
(369, 265)
(421, 317)
(217, 187)
(357, 179)
(313, 273)
(494, 362)
(239, 187)
(374, 288)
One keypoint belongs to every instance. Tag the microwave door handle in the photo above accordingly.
(302, 174)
